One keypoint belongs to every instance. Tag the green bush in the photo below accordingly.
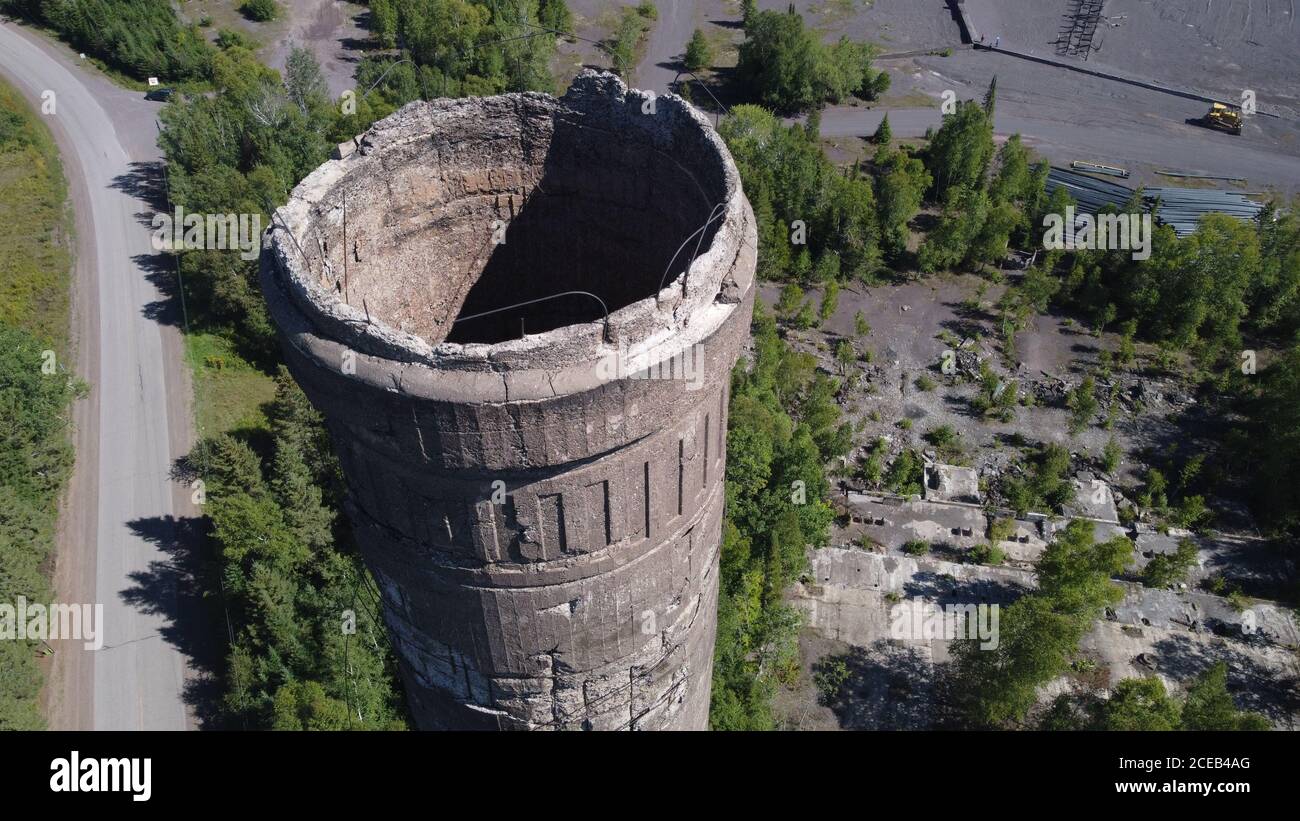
(1001, 530)
(916, 547)
(261, 11)
(830, 677)
(1165, 569)
(35, 458)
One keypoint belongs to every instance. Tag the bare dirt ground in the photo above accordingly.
(593, 20)
(913, 323)
(332, 29)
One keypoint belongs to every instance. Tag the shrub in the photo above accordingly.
(830, 677)
(987, 554)
(1001, 530)
(916, 547)
(1165, 569)
(1111, 455)
(232, 38)
(261, 11)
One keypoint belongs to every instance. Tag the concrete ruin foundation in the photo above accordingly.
(538, 491)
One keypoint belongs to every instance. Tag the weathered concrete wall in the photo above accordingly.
(543, 521)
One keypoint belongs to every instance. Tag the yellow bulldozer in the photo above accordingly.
(1224, 118)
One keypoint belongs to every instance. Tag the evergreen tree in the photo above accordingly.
(883, 132)
(991, 97)
(961, 150)
(699, 54)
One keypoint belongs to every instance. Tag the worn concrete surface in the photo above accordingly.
(848, 596)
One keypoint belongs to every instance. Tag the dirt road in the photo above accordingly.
(329, 28)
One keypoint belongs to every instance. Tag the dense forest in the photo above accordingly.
(784, 427)
(140, 38)
(289, 567)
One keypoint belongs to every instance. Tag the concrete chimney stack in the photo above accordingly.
(538, 490)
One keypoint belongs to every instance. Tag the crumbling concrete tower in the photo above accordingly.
(538, 490)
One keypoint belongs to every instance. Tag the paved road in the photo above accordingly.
(666, 44)
(1063, 115)
(119, 517)
(1171, 144)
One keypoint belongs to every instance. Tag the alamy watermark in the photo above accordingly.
(208, 232)
(32, 621)
(126, 775)
(686, 365)
(1108, 232)
(920, 620)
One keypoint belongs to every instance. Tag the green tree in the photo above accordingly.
(1040, 631)
(1272, 442)
(1209, 705)
(845, 356)
(790, 301)
(961, 150)
(304, 81)
(553, 14)
(786, 66)
(830, 300)
(1044, 484)
(959, 227)
(1082, 401)
(884, 134)
(780, 432)
(141, 38)
(699, 53)
(901, 183)
(1139, 704)
(1165, 569)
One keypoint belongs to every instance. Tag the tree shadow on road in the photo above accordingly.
(146, 182)
(160, 269)
(176, 588)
